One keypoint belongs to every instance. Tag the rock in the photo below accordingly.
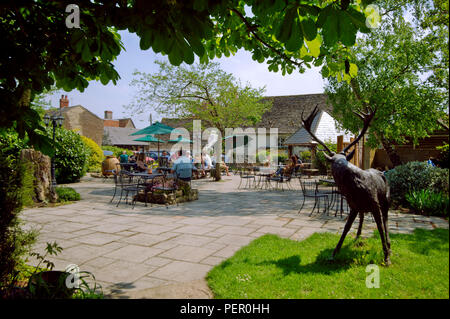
(42, 172)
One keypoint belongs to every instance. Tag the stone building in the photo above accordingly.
(285, 115)
(108, 121)
(80, 119)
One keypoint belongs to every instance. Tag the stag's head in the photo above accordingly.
(330, 155)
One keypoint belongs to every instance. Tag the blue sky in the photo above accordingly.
(98, 98)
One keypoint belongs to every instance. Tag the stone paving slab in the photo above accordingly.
(158, 251)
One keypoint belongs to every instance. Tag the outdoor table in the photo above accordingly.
(264, 173)
(127, 166)
(309, 171)
(335, 191)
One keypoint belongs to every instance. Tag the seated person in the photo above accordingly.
(141, 164)
(132, 159)
(123, 158)
(207, 161)
(182, 159)
(298, 163)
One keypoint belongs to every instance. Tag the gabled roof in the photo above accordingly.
(121, 136)
(323, 127)
(68, 109)
(287, 110)
(285, 113)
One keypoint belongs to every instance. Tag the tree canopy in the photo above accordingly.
(38, 50)
(398, 75)
(201, 91)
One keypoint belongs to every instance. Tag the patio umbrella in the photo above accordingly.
(156, 128)
(180, 139)
(149, 138)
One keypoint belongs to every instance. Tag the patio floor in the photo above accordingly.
(154, 252)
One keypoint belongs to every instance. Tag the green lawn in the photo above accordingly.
(273, 267)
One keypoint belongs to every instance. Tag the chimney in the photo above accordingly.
(63, 101)
(108, 115)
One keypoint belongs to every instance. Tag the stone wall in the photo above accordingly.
(42, 173)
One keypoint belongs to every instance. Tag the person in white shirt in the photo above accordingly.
(207, 160)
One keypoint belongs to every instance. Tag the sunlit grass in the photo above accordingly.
(272, 267)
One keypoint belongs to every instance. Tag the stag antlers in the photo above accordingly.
(366, 117)
(307, 125)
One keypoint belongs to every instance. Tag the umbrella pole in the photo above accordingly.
(159, 156)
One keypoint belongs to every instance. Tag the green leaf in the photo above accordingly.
(309, 29)
(314, 46)
(353, 70)
(347, 31)
(284, 30)
(331, 29)
(295, 41)
(323, 15)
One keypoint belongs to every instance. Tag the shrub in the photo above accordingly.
(416, 176)
(320, 162)
(117, 151)
(282, 157)
(67, 194)
(428, 202)
(305, 156)
(14, 242)
(95, 157)
(443, 160)
(71, 156)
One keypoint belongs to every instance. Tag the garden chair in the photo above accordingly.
(127, 186)
(247, 175)
(310, 189)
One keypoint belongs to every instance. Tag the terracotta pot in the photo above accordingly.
(109, 164)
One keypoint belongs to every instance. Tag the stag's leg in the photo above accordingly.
(361, 220)
(380, 225)
(348, 225)
(386, 228)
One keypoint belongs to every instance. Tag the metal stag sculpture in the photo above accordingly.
(366, 191)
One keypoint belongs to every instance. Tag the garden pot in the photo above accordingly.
(109, 164)
(50, 285)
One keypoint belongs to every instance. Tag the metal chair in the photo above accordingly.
(128, 186)
(247, 175)
(309, 189)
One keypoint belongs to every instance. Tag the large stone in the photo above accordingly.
(41, 164)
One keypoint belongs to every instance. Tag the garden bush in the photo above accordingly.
(320, 162)
(305, 156)
(67, 194)
(117, 151)
(428, 202)
(416, 176)
(282, 157)
(71, 156)
(15, 191)
(443, 160)
(95, 157)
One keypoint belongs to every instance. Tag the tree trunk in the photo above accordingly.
(43, 189)
(218, 173)
(391, 153)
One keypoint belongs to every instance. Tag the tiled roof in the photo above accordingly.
(285, 113)
(121, 136)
